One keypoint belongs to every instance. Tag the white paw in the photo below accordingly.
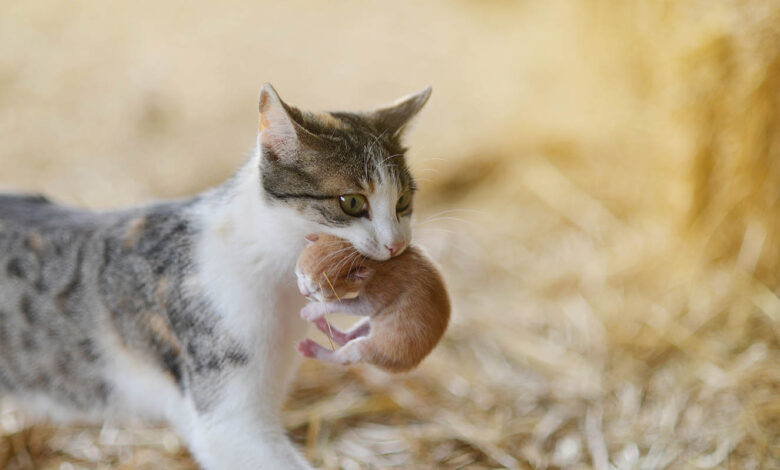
(311, 312)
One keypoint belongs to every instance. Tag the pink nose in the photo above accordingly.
(395, 247)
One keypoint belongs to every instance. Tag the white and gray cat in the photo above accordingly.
(187, 310)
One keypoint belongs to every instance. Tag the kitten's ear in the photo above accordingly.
(361, 273)
(395, 118)
(312, 237)
(279, 134)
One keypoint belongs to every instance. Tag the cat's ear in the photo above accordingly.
(280, 136)
(312, 237)
(394, 119)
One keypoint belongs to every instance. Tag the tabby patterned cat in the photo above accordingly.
(187, 310)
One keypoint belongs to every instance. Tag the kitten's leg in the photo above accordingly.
(361, 328)
(315, 310)
(348, 354)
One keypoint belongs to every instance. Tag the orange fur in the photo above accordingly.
(404, 298)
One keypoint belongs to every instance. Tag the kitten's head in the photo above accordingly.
(330, 269)
(344, 171)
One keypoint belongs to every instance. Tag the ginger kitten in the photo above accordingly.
(404, 300)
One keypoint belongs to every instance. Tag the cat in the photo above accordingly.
(187, 310)
(403, 299)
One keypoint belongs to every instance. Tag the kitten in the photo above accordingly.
(404, 300)
(187, 310)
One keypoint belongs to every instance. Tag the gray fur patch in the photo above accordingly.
(68, 272)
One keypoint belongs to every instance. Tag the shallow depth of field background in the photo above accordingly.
(600, 182)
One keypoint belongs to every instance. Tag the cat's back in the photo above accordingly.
(72, 281)
(31, 211)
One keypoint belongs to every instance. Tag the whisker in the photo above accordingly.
(436, 230)
(436, 219)
(389, 157)
(333, 254)
(344, 261)
(352, 264)
(449, 211)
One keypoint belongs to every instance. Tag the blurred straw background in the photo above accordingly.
(600, 182)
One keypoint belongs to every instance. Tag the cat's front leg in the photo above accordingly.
(221, 442)
(237, 414)
(243, 431)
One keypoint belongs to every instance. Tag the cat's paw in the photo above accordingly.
(311, 312)
(308, 348)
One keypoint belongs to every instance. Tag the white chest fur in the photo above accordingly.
(246, 257)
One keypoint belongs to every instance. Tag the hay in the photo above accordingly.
(611, 246)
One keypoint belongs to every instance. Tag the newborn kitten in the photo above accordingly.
(404, 299)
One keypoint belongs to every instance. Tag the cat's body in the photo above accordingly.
(155, 312)
(404, 300)
(187, 310)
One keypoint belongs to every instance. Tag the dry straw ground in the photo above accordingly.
(600, 183)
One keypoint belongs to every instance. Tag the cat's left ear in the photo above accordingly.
(395, 119)
(279, 132)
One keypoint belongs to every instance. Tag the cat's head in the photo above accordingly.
(343, 171)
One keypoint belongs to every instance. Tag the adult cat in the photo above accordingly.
(187, 310)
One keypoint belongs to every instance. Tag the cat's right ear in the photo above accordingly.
(280, 137)
(312, 237)
(395, 119)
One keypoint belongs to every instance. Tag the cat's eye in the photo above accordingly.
(403, 202)
(355, 205)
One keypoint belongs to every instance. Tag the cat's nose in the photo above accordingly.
(395, 247)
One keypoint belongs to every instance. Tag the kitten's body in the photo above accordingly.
(188, 310)
(404, 299)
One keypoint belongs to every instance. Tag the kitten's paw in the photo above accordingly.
(308, 348)
(311, 312)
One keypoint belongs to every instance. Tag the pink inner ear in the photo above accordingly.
(362, 273)
(312, 237)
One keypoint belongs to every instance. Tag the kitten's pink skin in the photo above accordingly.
(309, 348)
(340, 337)
(348, 354)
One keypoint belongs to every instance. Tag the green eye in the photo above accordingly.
(354, 204)
(403, 202)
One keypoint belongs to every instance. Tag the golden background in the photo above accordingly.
(600, 182)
